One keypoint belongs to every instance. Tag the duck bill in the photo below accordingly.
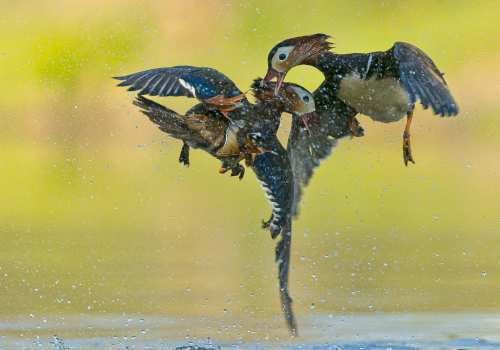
(271, 74)
(279, 81)
(311, 118)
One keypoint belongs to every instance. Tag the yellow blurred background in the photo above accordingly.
(97, 217)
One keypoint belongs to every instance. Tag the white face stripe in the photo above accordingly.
(309, 106)
(275, 61)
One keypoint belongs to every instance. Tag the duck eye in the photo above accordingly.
(305, 99)
(282, 57)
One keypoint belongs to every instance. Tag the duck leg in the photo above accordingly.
(406, 140)
(236, 170)
(184, 156)
(354, 125)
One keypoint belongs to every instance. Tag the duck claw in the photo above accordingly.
(238, 170)
(407, 156)
(355, 127)
(184, 156)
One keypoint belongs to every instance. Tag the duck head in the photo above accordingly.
(293, 52)
(291, 98)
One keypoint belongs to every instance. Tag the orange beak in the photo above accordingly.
(310, 117)
(271, 74)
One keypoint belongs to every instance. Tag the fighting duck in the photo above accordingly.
(217, 93)
(305, 149)
(262, 152)
(382, 85)
(246, 132)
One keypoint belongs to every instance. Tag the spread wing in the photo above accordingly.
(197, 82)
(306, 152)
(422, 80)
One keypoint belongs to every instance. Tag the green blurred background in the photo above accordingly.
(98, 218)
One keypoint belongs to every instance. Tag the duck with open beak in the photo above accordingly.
(383, 85)
(250, 135)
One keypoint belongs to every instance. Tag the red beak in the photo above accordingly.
(310, 117)
(271, 74)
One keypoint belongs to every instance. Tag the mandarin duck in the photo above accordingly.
(261, 149)
(384, 85)
(217, 93)
(246, 132)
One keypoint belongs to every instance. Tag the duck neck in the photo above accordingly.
(330, 64)
(271, 113)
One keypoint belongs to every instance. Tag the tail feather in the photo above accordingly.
(169, 121)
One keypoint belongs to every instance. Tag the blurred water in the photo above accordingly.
(384, 331)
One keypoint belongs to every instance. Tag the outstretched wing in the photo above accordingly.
(198, 82)
(422, 80)
(306, 152)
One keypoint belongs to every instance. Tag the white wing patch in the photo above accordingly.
(271, 199)
(188, 87)
(368, 66)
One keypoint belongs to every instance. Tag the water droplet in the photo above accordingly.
(313, 306)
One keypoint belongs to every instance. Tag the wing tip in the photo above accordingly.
(121, 78)
(449, 110)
